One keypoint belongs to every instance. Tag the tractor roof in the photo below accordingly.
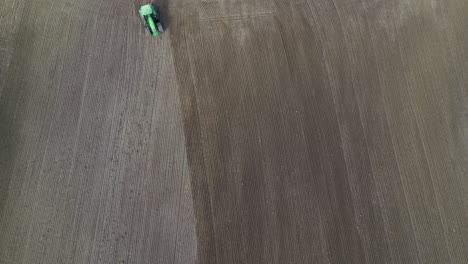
(146, 10)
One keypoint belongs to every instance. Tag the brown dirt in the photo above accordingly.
(252, 131)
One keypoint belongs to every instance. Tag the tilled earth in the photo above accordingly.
(251, 131)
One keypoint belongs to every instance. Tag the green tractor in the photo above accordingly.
(150, 18)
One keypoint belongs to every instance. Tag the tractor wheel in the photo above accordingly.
(148, 29)
(160, 27)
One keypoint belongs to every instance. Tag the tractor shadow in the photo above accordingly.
(163, 9)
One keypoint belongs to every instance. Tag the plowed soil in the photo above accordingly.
(250, 131)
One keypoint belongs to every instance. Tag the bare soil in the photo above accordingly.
(251, 131)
